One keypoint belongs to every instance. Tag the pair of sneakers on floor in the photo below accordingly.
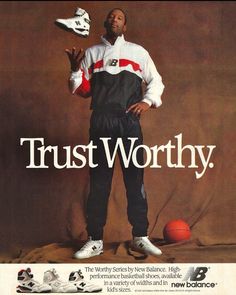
(95, 247)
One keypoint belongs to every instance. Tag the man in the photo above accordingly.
(112, 73)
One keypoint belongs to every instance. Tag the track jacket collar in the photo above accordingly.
(119, 41)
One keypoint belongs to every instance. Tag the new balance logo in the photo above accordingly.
(94, 248)
(31, 284)
(114, 62)
(197, 274)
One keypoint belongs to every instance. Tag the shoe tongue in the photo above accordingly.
(51, 275)
(28, 276)
(54, 273)
(78, 277)
(141, 238)
(79, 11)
(28, 271)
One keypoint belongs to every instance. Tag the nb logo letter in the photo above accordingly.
(198, 274)
(114, 62)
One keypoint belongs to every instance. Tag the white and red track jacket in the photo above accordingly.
(113, 76)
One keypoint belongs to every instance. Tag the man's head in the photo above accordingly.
(115, 22)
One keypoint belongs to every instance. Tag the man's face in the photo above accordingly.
(115, 23)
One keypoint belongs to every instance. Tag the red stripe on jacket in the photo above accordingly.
(122, 63)
(126, 62)
(84, 89)
(97, 65)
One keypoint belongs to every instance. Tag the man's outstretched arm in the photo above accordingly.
(78, 82)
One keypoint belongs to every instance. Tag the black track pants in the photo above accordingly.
(115, 126)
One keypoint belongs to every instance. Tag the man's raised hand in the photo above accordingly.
(75, 58)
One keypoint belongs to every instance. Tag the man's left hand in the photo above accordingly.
(138, 108)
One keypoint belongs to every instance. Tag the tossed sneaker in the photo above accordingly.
(144, 245)
(28, 285)
(52, 278)
(83, 286)
(79, 24)
(90, 249)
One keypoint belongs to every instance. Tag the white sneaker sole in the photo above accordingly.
(136, 249)
(77, 256)
(20, 290)
(90, 291)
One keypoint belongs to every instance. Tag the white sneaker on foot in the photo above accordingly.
(77, 278)
(144, 245)
(90, 249)
(52, 279)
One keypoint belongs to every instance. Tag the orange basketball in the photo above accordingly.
(176, 231)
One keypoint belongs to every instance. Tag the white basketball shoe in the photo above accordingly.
(79, 24)
(77, 278)
(52, 278)
(90, 249)
(144, 245)
(28, 285)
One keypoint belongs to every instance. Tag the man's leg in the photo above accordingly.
(100, 187)
(136, 196)
(133, 178)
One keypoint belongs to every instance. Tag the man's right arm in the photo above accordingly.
(79, 79)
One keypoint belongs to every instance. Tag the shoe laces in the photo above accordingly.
(25, 275)
(142, 241)
(62, 284)
(80, 275)
(88, 244)
(76, 276)
(53, 274)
